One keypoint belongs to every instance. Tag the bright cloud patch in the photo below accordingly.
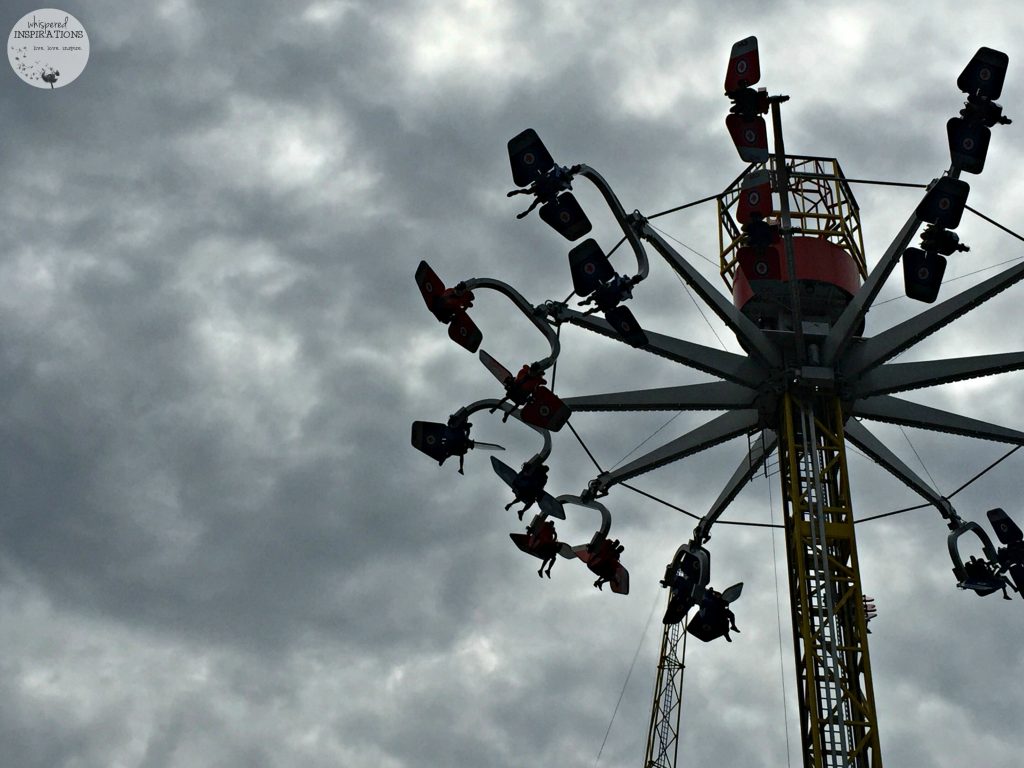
(260, 146)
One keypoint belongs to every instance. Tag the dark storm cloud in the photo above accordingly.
(217, 544)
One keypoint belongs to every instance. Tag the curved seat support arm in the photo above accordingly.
(690, 548)
(463, 414)
(606, 517)
(954, 550)
(536, 315)
(628, 222)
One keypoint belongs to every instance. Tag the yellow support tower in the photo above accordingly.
(838, 719)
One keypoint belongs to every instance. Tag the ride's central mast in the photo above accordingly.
(821, 265)
(838, 724)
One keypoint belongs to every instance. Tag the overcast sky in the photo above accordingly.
(217, 547)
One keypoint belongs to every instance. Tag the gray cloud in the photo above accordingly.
(217, 546)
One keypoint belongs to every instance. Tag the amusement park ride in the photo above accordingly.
(792, 257)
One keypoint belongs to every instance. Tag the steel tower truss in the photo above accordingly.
(809, 380)
(663, 731)
(837, 711)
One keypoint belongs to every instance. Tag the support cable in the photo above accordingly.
(853, 449)
(691, 250)
(986, 469)
(951, 495)
(683, 207)
(632, 664)
(778, 615)
(554, 370)
(577, 435)
(960, 277)
(886, 183)
(984, 269)
(993, 222)
(701, 310)
(687, 288)
(894, 512)
(919, 459)
(686, 512)
(875, 182)
(709, 198)
(661, 501)
(558, 335)
(706, 320)
(975, 211)
(646, 440)
(749, 525)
